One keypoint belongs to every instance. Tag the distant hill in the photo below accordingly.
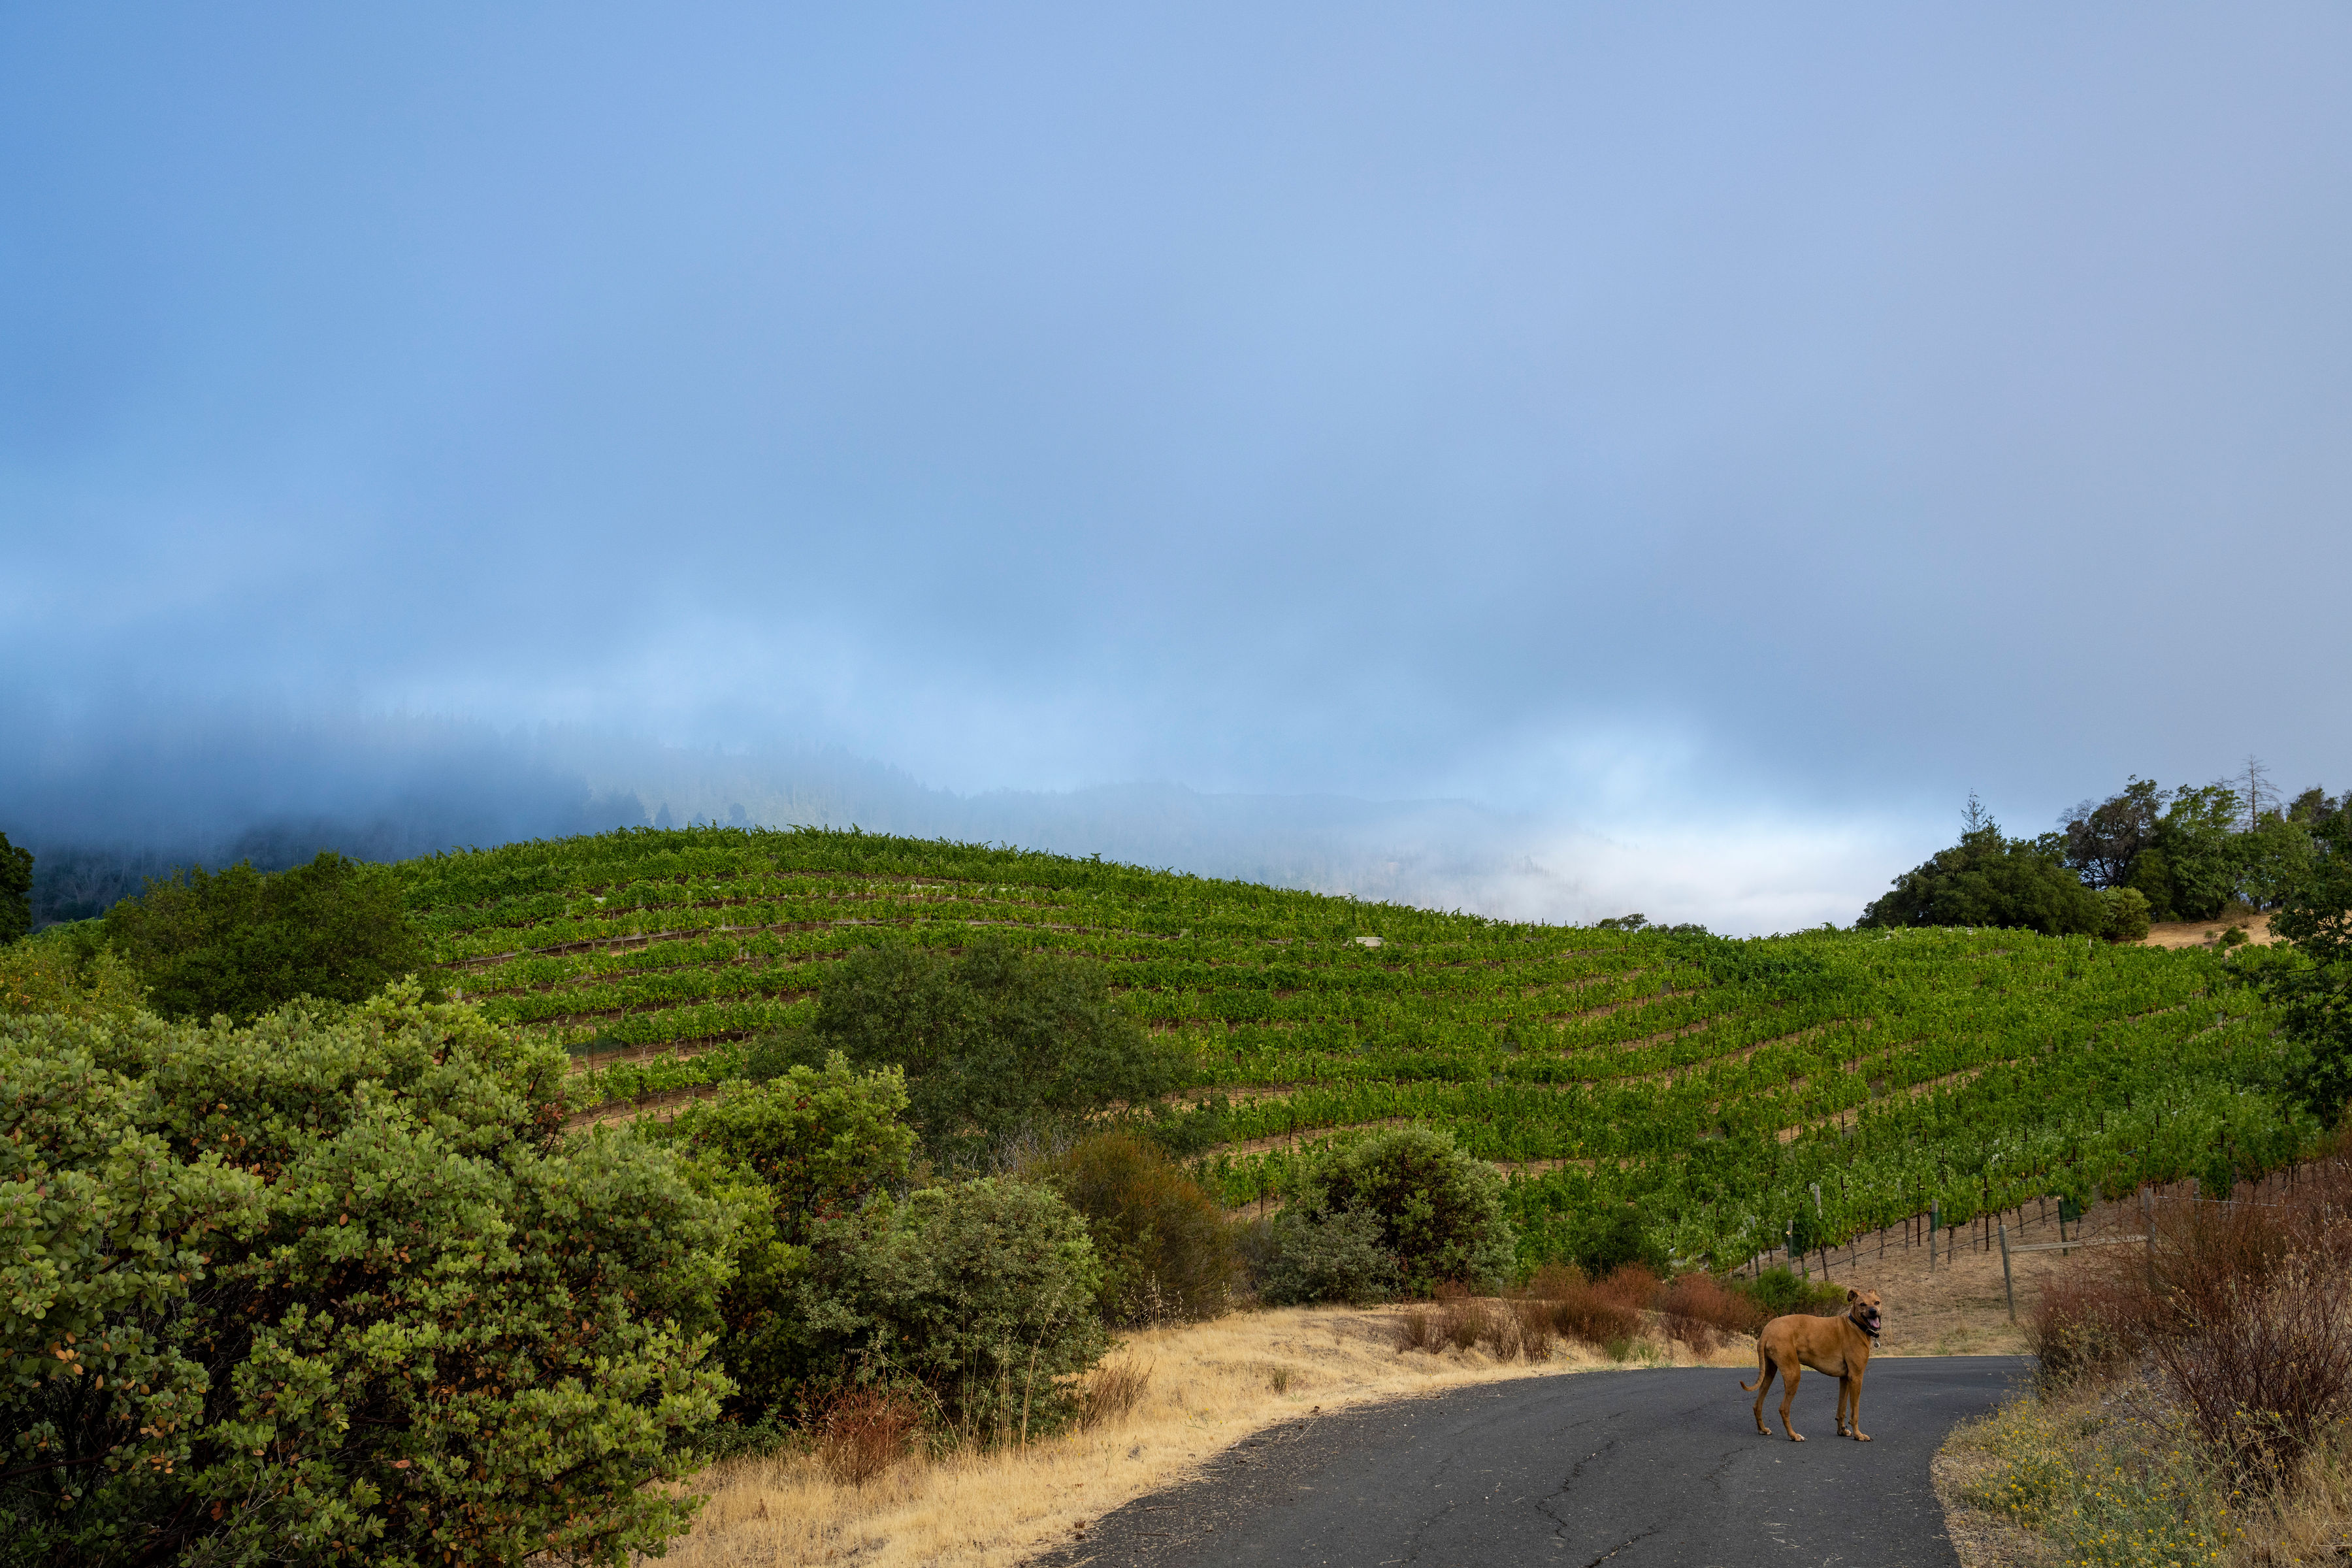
(102, 811)
(1710, 1084)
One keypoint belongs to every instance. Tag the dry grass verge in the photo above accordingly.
(2095, 1474)
(2194, 1399)
(1166, 1401)
(2111, 1473)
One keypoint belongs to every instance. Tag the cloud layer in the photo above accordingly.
(222, 783)
(1690, 428)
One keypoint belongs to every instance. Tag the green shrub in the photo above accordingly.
(1989, 879)
(1777, 1292)
(983, 1293)
(1166, 1249)
(819, 1140)
(240, 942)
(336, 1286)
(1439, 1208)
(2127, 917)
(2151, 878)
(1186, 1130)
(64, 971)
(1305, 1257)
(799, 1153)
(16, 890)
(1607, 1239)
(973, 1298)
(997, 1046)
(2314, 990)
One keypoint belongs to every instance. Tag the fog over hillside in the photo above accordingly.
(101, 810)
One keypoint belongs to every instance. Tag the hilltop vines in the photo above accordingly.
(1710, 1083)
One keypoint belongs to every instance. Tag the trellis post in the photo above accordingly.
(2008, 1286)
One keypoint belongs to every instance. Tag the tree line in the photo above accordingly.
(2147, 853)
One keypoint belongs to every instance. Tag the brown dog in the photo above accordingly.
(1839, 1346)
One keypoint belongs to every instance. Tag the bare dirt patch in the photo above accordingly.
(2208, 934)
(659, 1107)
(1958, 1307)
(1307, 1135)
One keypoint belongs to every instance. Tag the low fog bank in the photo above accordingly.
(102, 810)
(100, 813)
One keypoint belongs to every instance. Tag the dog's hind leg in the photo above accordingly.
(1763, 1383)
(1763, 1387)
(1788, 1396)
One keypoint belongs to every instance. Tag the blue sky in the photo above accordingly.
(1692, 427)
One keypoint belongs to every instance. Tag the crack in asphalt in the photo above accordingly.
(1714, 1478)
(1621, 1546)
(1559, 1494)
(1578, 1468)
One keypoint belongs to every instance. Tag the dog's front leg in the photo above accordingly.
(1854, 1415)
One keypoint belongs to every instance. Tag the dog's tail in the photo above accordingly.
(1763, 1369)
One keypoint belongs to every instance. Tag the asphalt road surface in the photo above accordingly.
(1635, 1469)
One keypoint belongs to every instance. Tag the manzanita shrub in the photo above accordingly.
(335, 1286)
(981, 1292)
(801, 1154)
(974, 1300)
(1440, 1209)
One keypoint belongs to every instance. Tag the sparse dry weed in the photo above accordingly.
(1701, 1313)
(1512, 1328)
(862, 1432)
(1112, 1390)
(1600, 1313)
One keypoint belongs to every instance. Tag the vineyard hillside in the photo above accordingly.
(1716, 1092)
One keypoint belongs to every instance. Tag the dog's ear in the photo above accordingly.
(1852, 1297)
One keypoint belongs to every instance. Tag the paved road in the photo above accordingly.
(1635, 1469)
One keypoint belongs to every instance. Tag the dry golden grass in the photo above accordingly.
(2206, 934)
(1210, 1385)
